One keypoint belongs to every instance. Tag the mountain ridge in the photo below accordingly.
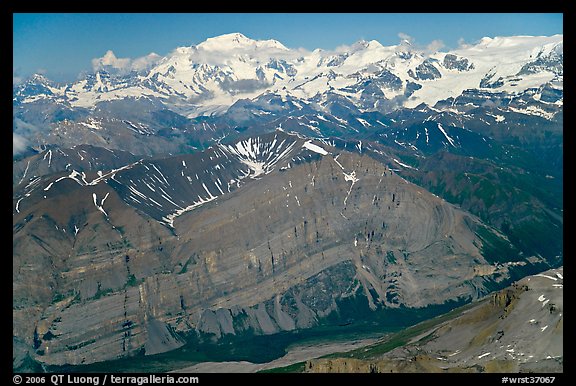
(252, 67)
(317, 218)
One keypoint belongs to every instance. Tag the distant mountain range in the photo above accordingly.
(212, 76)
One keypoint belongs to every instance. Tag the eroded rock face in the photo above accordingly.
(99, 280)
(518, 329)
(452, 62)
(417, 364)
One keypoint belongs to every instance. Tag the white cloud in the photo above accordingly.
(214, 57)
(406, 37)
(110, 60)
(21, 132)
(432, 47)
(124, 65)
(19, 143)
(145, 62)
(16, 77)
(435, 45)
(462, 43)
(342, 49)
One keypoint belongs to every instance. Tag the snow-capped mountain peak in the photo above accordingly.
(236, 41)
(211, 76)
(365, 45)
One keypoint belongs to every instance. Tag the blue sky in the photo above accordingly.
(63, 45)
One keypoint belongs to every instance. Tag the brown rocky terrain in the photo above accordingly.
(518, 329)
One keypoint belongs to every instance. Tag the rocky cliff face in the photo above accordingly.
(518, 329)
(98, 277)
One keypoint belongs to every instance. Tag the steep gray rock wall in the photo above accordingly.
(277, 254)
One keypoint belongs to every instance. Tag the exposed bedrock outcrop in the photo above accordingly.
(279, 253)
(517, 329)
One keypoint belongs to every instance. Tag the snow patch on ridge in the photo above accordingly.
(260, 156)
(315, 148)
